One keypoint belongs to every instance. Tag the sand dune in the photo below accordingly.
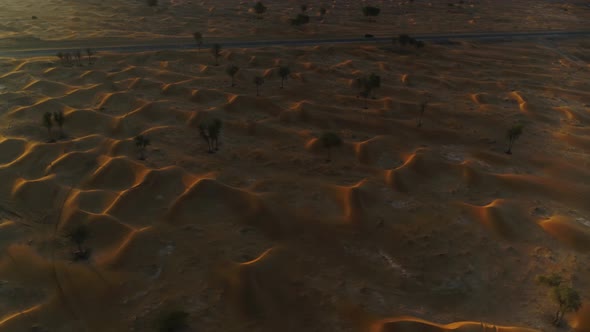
(408, 226)
(413, 324)
(574, 233)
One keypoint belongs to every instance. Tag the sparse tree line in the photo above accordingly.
(211, 128)
(231, 70)
(302, 17)
(71, 59)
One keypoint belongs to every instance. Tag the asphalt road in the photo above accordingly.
(433, 38)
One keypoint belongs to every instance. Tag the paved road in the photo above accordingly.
(438, 38)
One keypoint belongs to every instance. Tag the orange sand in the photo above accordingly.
(407, 229)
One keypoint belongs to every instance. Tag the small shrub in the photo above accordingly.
(370, 11)
(330, 140)
(259, 8)
(301, 19)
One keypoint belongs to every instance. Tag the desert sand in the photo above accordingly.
(406, 229)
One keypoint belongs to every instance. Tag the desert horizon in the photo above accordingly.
(189, 166)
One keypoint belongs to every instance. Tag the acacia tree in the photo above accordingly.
(232, 70)
(330, 140)
(198, 39)
(216, 51)
(322, 13)
(89, 53)
(78, 56)
(301, 19)
(284, 72)
(48, 123)
(258, 81)
(367, 85)
(141, 142)
(259, 9)
(59, 118)
(374, 81)
(404, 39)
(210, 130)
(370, 11)
(422, 110)
(567, 298)
(78, 236)
(60, 55)
(513, 134)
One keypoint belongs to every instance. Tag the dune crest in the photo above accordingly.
(403, 324)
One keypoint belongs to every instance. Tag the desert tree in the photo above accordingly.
(284, 72)
(59, 118)
(60, 55)
(322, 13)
(198, 39)
(89, 53)
(374, 81)
(365, 89)
(77, 236)
(370, 11)
(258, 81)
(421, 114)
(300, 20)
(367, 85)
(210, 130)
(330, 140)
(404, 39)
(173, 321)
(141, 142)
(259, 9)
(48, 123)
(231, 71)
(567, 298)
(513, 134)
(216, 51)
(70, 59)
(78, 56)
